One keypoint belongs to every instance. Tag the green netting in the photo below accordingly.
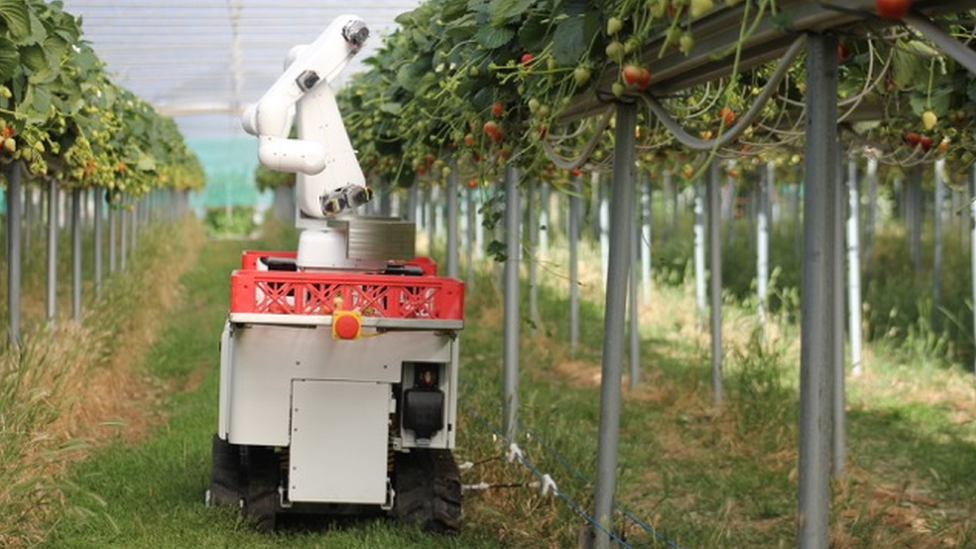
(229, 164)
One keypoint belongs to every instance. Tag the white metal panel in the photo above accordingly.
(265, 359)
(223, 421)
(339, 441)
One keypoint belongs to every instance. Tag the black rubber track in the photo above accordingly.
(226, 473)
(428, 490)
(262, 500)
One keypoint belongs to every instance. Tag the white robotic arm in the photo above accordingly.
(328, 175)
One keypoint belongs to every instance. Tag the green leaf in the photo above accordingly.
(533, 36)
(938, 102)
(410, 74)
(9, 59)
(14, 13)
(391, 108)
(903, 65)
(568, 42)
(494, 37)
(453, 10)
(42, 99)
(38, 32)
(34, 58)
(507, 11)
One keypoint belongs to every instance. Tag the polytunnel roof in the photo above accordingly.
(199, 60)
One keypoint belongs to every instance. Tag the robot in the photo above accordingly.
(339, 362)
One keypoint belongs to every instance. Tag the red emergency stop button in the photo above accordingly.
(346, 325)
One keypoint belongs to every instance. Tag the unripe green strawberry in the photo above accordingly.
(614, 25)
(582, 75)
(615, 51)
(701, 7)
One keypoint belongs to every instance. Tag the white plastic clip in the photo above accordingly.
(465, 466)
(514, 453)
(548, 485)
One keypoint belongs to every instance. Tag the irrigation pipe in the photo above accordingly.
(697, 144)
(572, 164)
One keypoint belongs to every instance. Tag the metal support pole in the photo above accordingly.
(531, 239)
(544, 222)
(386, 200)
(837, 364)
(634, 331)
(413, 204)
(872, 208)
(674, 201)
(966, 220)
(76, 205)
(430, 219)
(472, 221)
(937, 253)
(13, 251)
(513, 220)
(915, 213)
(604, 235)
(713, 194)
(728, 212)
(113, 263)
(52, 249)
(854, 267)
(479, 228)
(972, 249)
(700, 254)
(621, 230)
(595, 193)
(646, 227)
(28, 216)
(815, 351)
(440, 211)
(99, 198)
(134, 218)
(575, 215)
(124, 237)
(762, 245)
(453, 270)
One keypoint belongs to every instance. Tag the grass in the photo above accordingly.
(64, 386)
(703, 476)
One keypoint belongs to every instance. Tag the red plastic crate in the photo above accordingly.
(373, 295)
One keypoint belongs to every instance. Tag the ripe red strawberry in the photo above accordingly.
(727, 116)
(892, 9)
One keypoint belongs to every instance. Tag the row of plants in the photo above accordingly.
(484, 82)
(62, 117)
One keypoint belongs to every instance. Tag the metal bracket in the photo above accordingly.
(390, 496)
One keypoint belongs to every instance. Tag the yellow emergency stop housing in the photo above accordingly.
(347, 325)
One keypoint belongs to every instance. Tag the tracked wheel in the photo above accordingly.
(262, 502)
(428, 490)
(226, 473)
